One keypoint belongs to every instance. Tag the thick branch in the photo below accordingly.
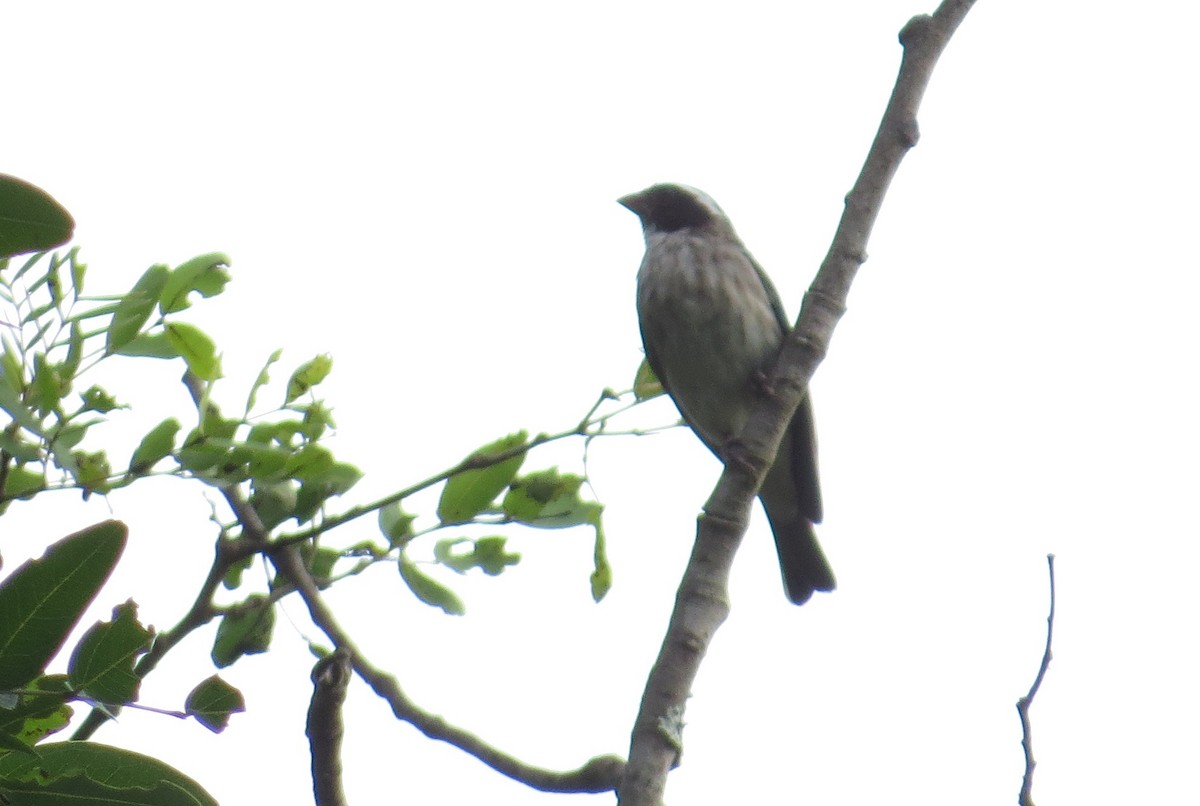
(702, 603)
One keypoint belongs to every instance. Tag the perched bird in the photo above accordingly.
(712, 324)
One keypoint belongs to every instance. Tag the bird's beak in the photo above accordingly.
(632, 202)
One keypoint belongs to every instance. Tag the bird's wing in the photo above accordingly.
(802, 432)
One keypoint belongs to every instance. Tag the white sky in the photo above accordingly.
(427, 191)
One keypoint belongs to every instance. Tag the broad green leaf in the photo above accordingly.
(23, 482)
(470, 492)
(206, 274)
(308, 375)
(93, 773)
(428, 589)
(43, 599)
(213, 701)
(196, 348)
(135, 308)
(30, 219)
(244, 630)
(310, 463)
(37, 711)
(102, 664)
(645, 383)
(154, 447)
(274, 502)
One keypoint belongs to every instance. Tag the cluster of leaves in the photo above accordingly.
(276, 462)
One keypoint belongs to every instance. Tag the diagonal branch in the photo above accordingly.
(702, 603)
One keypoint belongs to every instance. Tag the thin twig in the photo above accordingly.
(1026, 796)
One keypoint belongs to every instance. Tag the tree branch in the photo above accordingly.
(1026, 796)
(702, 602)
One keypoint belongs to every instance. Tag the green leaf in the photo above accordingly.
(149, 345)
(244, 630)
(487, 554)
(23, 482)
(396, 524)
(93, 773)
(645, 383)
(470, 492)
(601, 578)
(92, 471)
(262, 380)
(154, 447)
(74, 351)
(96, 399)
(40, 711)
(102, 664)
(308, 375)
(135, 308)
(274, 503)
(30, 219)
(205, 274)
(549, 500)
(42, 600)
(197, 349)
(429, 590)
(213, 701)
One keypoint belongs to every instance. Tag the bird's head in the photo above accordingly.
(670, 208)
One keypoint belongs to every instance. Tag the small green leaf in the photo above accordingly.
(486, 553)
(602, 572)
(396, 524)
(308, 375)
(92, 472)
(429, 590)
(262, 380)
(30, 219)
(197, 349)
(213, 701)
(102, 664)
(645, 383)
(549, 500)
(206, 274)
(135, 308)
(43, 599)
(244, 630)
(96, 399)
(470, 492)
(154, 447)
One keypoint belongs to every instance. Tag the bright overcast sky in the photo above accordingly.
(426, 191)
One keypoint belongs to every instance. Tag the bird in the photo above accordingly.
(712, 325)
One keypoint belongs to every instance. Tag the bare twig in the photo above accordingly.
(702, 603)
(1026, 796)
